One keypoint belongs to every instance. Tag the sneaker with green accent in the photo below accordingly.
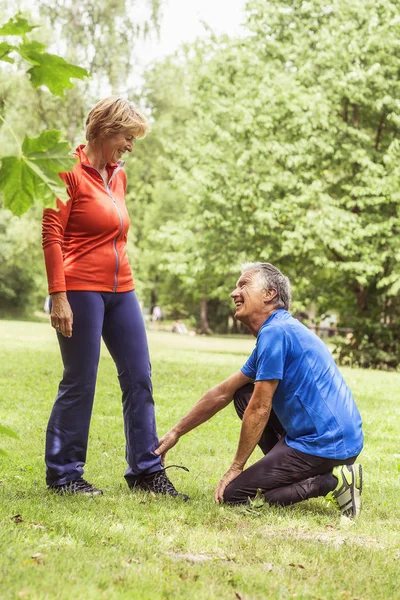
(347, 494)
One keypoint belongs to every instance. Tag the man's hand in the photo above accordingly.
(61, 314)
(166, 442)
(229, 476)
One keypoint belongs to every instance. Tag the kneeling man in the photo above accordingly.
(293, 402)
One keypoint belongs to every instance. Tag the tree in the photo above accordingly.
(343, 59)
(292, 156)
(22, 274)
(101, 35)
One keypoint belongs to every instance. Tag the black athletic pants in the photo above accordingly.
(284, 475)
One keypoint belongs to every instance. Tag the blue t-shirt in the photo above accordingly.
(312, 400)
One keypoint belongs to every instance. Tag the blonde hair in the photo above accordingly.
(113, 114)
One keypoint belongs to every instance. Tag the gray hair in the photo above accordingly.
(270, 277)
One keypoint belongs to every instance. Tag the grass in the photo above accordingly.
(127, 545)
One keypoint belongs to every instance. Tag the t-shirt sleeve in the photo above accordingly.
(272, 349)
(250, 367)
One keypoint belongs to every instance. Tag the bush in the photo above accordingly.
(372, 345)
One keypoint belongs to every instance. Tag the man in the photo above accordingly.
(293, 402)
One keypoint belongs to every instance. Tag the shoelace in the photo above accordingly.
(177, 467)
(161, 484)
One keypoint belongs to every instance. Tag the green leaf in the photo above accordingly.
(49, 152)
(50, 70)
(17, 185)
(5, 50)
(16, 26)
(34, 176)
(28, 49)
(258, 501)
(6, 431)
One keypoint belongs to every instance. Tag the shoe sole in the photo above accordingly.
(354, 509)
(143, 488)
(70, 493)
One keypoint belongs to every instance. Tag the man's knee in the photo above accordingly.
(235, 494)
(242, 397)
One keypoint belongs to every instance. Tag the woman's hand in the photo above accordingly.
(166, 442)
(229, 476)
(61, 314)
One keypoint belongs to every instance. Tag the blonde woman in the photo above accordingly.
(93, 297)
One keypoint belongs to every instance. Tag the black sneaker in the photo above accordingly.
(78, 486)
(158, 483)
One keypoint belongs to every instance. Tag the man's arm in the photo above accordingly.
(212, 402)
(255, 419)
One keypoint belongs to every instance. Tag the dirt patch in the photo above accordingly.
(331, 537)
(199, 558)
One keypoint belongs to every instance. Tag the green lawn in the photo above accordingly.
(127, 545)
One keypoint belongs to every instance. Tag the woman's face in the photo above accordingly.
(115, 145)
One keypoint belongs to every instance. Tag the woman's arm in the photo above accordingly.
(54, 223)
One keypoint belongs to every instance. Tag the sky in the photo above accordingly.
(181, 22)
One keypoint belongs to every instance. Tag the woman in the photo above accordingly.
(92, 296)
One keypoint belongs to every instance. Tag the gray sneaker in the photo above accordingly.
(347, 494)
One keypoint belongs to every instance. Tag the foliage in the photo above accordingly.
(102, 36)
(48, 69)
(32, 175)
(372, 345)
(154, 198)
(291, 155)
(22, 278)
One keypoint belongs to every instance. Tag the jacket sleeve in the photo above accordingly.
(54, 223)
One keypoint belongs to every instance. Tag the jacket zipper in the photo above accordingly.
(119, 215)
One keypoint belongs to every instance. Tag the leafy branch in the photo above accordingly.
(33, 174)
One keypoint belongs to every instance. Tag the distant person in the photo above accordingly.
(157, 315)
(46, 305)
(294, 403)
(92, 297)
(179, 327)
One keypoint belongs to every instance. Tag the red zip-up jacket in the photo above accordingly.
(84, 241)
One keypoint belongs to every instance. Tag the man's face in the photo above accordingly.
(248, 297)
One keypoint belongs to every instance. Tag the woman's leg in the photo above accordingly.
(68, 428)
(125, 337)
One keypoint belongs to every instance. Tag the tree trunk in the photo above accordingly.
(203, 316)
(362, 297)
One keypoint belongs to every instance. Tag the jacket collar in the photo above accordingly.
(83, 159)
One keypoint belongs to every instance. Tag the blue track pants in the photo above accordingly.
(117, 318)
